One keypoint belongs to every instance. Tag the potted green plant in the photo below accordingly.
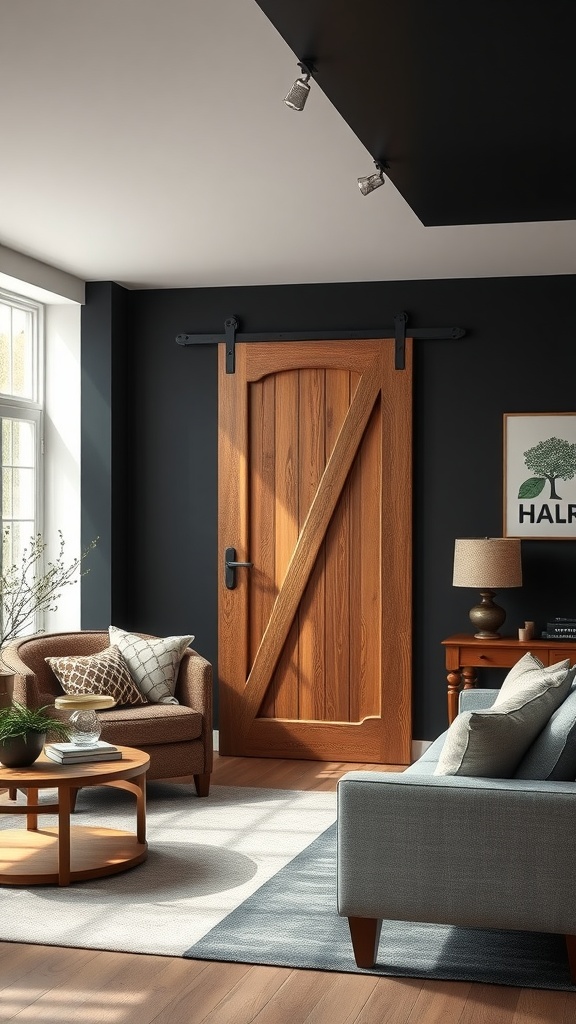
(23, 733)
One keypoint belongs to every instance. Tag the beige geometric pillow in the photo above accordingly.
(105, 672)
(491, 743)
(153, 662)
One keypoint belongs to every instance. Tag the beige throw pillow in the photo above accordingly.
(153, 662)
(491, 743)
(105, 673)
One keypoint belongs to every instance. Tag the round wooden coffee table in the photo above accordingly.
(64, 853)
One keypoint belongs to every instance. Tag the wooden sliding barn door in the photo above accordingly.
(315, 491)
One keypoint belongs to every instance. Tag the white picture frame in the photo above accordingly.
(539, 494)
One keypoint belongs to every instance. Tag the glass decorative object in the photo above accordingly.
(84, 724)
(85, 728)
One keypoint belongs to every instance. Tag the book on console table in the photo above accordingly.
(548, 635)
(72, 753)
(554, 628)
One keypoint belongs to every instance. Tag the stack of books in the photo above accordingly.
(560, 629)
(71, 753)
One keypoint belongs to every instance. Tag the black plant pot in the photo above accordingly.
(21, 751)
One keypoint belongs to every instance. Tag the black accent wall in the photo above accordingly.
(149, 445)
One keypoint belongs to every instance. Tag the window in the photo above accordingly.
(21, 346)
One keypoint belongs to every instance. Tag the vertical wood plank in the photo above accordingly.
(311, 620)
(370, 679)
(337, 567)
(232, 531)
(262, 516)
(285, 685)
(356, 641)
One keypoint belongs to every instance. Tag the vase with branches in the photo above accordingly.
(31, 587)
(27, 589)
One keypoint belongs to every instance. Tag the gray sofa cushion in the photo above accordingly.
(491, 743)
(553, 752)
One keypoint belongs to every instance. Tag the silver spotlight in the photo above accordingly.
(298, 94)
(372, 181)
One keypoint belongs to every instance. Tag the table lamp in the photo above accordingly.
(488, 563)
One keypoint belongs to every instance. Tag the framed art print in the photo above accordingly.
(540, 475)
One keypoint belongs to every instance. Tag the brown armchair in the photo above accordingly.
(177, 737)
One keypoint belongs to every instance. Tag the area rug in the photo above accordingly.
(248, 876)
(291, 921)
(205, 857)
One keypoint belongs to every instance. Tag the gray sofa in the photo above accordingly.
(473, 852)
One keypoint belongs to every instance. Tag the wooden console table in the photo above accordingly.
(464, 654)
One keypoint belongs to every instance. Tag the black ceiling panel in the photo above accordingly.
(472, 104)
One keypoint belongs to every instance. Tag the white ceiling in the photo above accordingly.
(146, 142)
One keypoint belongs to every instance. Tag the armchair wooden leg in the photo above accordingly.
(365, 935)
(73, 795)
(12, 794)
(571, 950)
(202, 783)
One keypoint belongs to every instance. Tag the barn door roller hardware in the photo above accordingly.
(400, 332)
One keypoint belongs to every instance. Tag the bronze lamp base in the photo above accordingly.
(487, 617)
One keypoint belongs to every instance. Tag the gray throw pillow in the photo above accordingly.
(553, 752)
(491, 743)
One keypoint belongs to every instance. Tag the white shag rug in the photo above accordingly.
(205, 857)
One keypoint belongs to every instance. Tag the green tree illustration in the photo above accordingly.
(551, 460)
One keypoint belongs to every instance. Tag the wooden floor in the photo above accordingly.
(78, 986)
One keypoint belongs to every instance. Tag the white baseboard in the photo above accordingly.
(418, 746)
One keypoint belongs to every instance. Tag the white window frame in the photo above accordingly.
(13, 407)
(37, 310)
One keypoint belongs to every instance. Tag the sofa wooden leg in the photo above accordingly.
(365, 935)
(571, 950)
(12, 794)
(202, 783)
(73, 795)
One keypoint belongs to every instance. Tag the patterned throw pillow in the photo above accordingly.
(105, 672)
(153, 662)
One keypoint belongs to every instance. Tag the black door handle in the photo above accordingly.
(230, 566)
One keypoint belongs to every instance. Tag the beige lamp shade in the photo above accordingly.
(492, 563)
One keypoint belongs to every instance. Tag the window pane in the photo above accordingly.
(6, 493)
(17, 327)
(23, 440)
(7, 442)
(22, 376)
(18, 472)
(23, 493)
(15, 539)
(5, 348)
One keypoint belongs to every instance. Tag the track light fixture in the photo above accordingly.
(299, 92)
(372, 181)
